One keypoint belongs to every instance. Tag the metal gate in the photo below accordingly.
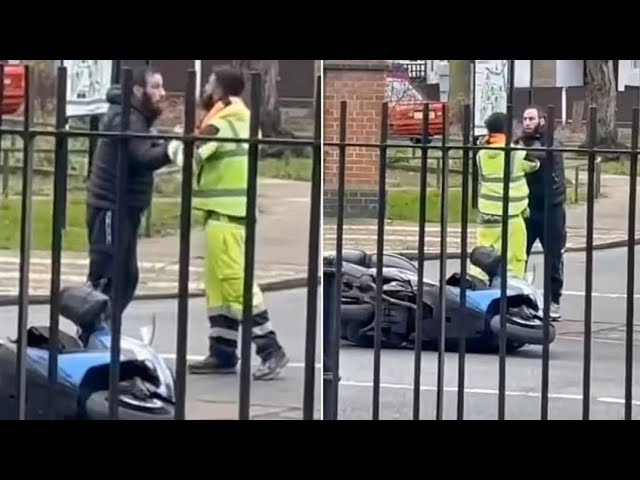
(26, 384)
(457, 330)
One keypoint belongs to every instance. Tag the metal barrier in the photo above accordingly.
(61, 135)
(458, 328)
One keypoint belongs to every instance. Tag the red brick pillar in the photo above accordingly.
(362, 84)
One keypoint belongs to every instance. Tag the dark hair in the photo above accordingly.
(496, 123)
(230, 80)
(141, 75)
(537, 108)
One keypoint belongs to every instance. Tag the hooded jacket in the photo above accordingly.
(536, 180)
(143, 156)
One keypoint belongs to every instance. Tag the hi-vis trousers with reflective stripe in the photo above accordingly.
(224, 278)
(489, 234)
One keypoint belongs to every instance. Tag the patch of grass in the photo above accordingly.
(404, 205)
(286, 168)
(165, 221)
(620, 166)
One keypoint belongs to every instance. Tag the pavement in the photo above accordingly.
(524, 368)
(610, 227)
(216, 397)
(282, 235)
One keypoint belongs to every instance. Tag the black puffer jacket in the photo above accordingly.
(535, 180)
(144, 156)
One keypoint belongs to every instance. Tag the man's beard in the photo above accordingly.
(207, 102)
(149, 106)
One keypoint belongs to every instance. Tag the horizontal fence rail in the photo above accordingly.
(369, 304)
(27, 356)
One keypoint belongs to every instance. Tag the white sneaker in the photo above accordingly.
(554, 312)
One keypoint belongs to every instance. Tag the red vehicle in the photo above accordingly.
(406, 106)
(13, 91)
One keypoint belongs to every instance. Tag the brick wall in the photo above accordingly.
(362, 84)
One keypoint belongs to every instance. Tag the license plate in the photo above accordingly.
(418, 115)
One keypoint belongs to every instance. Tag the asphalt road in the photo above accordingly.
(524, 368)
(218, 394)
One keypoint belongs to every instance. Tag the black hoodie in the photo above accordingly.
(144, 156)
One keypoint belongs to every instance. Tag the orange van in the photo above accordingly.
(13, 91)
(406, 109)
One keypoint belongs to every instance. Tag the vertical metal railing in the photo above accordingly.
(382, 209)
(313, 259)
(185, 250)
(631, 262)
(546, 317)
(422, 218)
(588, 280)
(59, 207)
(442, 307)
(25, 247)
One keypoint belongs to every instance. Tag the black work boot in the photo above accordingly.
(212, 365)
(222, 359)
(271, 366)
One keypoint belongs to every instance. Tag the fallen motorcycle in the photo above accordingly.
(478, 321)
(146, 387)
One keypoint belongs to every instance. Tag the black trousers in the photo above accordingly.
(102, 232)
(554, 245)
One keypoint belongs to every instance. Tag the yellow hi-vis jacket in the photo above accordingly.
(491, 170)
(222, 167)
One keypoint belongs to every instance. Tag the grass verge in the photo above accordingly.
(165, 221)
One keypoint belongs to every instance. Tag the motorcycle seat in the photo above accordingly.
(389, 260)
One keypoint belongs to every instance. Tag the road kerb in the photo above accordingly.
(413, 255)
(288, 283)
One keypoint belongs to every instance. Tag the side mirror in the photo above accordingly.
(148, 332)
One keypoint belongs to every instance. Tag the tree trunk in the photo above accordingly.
(270, 118)
(601, 93)
(459, 90)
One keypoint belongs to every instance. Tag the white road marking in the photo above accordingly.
(485, 391)
(192, 358)
(595, 294)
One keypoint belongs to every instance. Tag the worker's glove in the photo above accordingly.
(175, 149)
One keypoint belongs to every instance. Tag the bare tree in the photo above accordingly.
(270, 118)
(601, 93)
(459, 90)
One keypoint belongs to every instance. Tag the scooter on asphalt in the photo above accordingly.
(146, 388)
(478, 322)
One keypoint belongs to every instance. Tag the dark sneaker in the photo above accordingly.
(212, 365)
(271, 368)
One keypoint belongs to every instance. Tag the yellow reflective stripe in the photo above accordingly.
(492, 179)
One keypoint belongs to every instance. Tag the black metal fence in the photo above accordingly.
(445, 326)
(27, 388)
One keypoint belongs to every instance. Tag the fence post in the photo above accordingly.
(5, 174)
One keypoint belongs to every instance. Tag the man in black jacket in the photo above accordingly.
(533, 131)
(143, 158)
